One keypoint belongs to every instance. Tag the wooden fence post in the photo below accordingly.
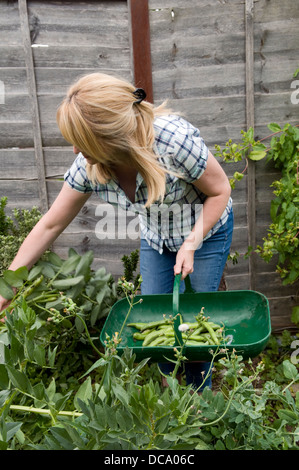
(141, 45)
(251, 199)
(39, 157)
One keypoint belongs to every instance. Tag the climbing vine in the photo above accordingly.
(283, 233)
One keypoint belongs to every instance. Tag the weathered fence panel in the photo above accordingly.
(199, 62)
(202, 60)
(68, 40)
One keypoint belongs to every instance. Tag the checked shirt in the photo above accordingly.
(179, 148)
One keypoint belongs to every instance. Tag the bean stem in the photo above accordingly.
(44, 411)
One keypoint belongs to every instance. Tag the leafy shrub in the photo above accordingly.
(283, 233)
(59, 390)
(13, 231)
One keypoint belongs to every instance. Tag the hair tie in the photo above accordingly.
(140, 94)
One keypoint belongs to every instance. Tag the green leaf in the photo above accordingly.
(295, 315)
(40, 355)
(34, 273)
(83, 267)
(79, 325)
(291, 211)
(55, 259)
(11, 429)
(296, 133)
(70, 264)
(292, 277)
(121, 394)
(230, 442)
(290, 370)
(250, 134)
(257, 155)
(124, 419)
(29, 349)
(51, 389)
(19, 379)
(141, 365)
(274, 208)
(66, 283)
(27, 314)
(101, 295)
(274, 127)
(39, 391)
(72, 252)
(16, 278)
(4, 381)
(5, 290)
(239, 418)
(259, 146)
(62, 401)
(46, 269)
(94, 314)
(75, 437)
(201, 445)
(289, 416)
(99, 363)
(88, 410)
(84, 393)
(3, 445)
(238, 176)
(219, 445)
(110, 416)
(171, 437)
(4, 398)
(62, 438)
(16, 349)
(52, 356)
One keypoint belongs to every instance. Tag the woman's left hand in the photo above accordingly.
(184, 261)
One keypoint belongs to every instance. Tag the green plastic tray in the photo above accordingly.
(244, 313)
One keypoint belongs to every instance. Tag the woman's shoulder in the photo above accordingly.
(170, 122)
(172, 130)
(173, 125)
(180, 146)
(76, 175)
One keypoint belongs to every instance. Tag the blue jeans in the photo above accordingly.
(209, 261)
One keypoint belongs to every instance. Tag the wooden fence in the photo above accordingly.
(226, 64)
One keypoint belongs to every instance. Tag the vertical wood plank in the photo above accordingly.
(141, 46)
(251, 198)
(39, 157)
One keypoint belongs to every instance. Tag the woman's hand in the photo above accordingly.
(4, 303)
(215, 185)
(184, 261)
(63, 210)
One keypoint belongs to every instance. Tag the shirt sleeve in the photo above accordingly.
(190, 152)
(76, 176)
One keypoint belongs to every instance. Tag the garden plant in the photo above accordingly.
(60, 389)
(283, 233)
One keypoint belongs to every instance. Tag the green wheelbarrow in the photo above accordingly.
(244, 313)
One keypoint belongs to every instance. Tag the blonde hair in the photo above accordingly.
(100, 117)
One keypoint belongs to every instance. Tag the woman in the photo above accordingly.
(150, 161)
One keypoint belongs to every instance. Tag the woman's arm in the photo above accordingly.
(215, 185)
(64, 209)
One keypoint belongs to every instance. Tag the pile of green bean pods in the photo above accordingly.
(162, 333)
